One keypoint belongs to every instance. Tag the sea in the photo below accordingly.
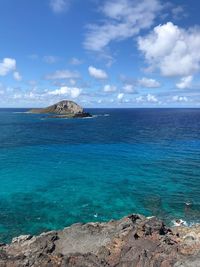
(56, 172)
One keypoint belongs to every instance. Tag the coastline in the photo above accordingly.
(134, 240)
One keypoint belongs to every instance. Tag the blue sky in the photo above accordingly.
(125, 53)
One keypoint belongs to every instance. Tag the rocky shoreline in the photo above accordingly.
(133, 241)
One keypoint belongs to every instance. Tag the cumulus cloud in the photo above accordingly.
(17, 76)
(173, 50)
(152, 98)
(18, 94)
(37, 96)
(124, 19)
(139, 99)
(177, 98)
(149, 83)
(128, 88)
(120, 96)
(7, 65)
(109, 88)
(148, 98)
(97, 73)
(2, 89)
(73, 92)
(185, 82)
(59, 6)
(62, 74)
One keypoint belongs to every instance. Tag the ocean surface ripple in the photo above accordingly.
(55, 172)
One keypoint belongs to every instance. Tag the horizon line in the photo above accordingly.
(111, 107)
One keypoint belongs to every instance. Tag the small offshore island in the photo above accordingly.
(63, 109)
(133, 241)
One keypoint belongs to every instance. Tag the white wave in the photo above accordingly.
(179, 222)
(100, 115)
(88, 117)
(96, 116)
(20, 112)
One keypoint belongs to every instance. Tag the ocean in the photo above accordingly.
(56, 172)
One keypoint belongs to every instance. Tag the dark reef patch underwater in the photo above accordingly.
(57, 172)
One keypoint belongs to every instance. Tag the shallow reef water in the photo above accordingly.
(55, 172)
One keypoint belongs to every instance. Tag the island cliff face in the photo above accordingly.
(134, 241)
(63, 109)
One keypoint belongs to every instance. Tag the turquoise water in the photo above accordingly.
(55, 172)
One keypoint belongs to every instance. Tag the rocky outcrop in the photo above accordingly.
(134, 241)
(62, 109)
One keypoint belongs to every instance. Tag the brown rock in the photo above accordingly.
(134, 241)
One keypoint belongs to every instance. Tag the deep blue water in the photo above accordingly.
(55, 172)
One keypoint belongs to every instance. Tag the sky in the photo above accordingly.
(100, 53)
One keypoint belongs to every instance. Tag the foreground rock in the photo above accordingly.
(134, 241)
(63, 109)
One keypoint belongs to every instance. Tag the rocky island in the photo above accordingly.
(134, 241)
(62, 109)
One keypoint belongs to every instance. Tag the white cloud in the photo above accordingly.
(152, 98)
(62, 74)
(149, 83)
(17, 96)
(109, 88)
(2, 89)
(177, 98)
(185, 82)
(7, 65)
(73, 92)
(139, 99)
(129, 88)
(37, 96)
(59, 6)
(31, 96)
(148, 98)
(50, 59)
(97, 73)
(173, 50)
(17, 76)
(124, 19)
(120, 96)
(75, 61)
